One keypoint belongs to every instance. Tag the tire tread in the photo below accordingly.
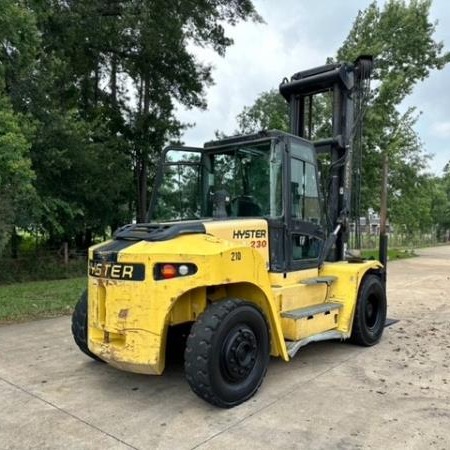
(198, 348)
(358, 336)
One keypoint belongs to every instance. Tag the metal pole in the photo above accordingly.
(383, 213)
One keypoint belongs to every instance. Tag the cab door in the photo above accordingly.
(304, 219)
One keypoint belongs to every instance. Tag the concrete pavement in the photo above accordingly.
(332, 395)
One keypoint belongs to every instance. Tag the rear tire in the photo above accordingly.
(227, 353)
(80, 326)
(370, 315)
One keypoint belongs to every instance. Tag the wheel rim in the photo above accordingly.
(372, 311)
(239, 353)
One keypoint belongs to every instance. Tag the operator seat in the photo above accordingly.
(245, 206)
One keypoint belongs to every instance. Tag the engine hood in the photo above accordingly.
(249, 232)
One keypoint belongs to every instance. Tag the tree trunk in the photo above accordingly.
(383, 246)
(113, 80)
(14, 243)
(143, 152)
(96, 82)
(143, 189)
(383, 206)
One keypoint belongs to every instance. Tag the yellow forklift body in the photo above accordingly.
(129, 319)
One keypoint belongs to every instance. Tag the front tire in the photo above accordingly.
(370, 315)
(227, 353)
(80, 326)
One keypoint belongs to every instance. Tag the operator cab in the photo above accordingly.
(270, 175)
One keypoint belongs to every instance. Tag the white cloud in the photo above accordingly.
(441, 129)
(257, 62)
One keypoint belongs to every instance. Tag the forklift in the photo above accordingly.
(244, 250)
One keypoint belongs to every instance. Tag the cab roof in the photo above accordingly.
(262, 135)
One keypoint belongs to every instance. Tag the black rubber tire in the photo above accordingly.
(370, 315)
(80, 326)
(227, 353)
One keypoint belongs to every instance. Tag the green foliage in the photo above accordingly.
(19, 40)
(440, 204)
(393, 254)
(400, 36)
(16, 174)
(98, 81)
(18, 48)
(34, 268)
(39, 299)
(269, 112)
(163, 69)
(409, 187)
(79, 190)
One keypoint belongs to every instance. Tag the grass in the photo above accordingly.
(38, 299)
(393, 254)
(40, 268)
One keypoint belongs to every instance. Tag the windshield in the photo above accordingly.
(242, 181)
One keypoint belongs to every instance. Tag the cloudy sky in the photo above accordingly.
(299, 34)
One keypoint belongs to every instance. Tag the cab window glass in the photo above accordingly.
(304, 192)
(302, 151)
(305, 247)
(241, 180)
(297, 186)
(312, 205)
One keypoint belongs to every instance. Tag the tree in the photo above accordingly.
(15, 169)
(98, 81)
(81, 150)
(158, 60)
(18, 45)
(83, 179)
(440, 204)
(142, 50)
(400, 36)
(269, 112)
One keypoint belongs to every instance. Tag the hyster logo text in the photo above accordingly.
(249, 234)
(116, 270)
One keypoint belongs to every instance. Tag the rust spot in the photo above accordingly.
(123, 313)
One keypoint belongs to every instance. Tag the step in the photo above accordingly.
(294, 346)
(319, 280)
(310, 311)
